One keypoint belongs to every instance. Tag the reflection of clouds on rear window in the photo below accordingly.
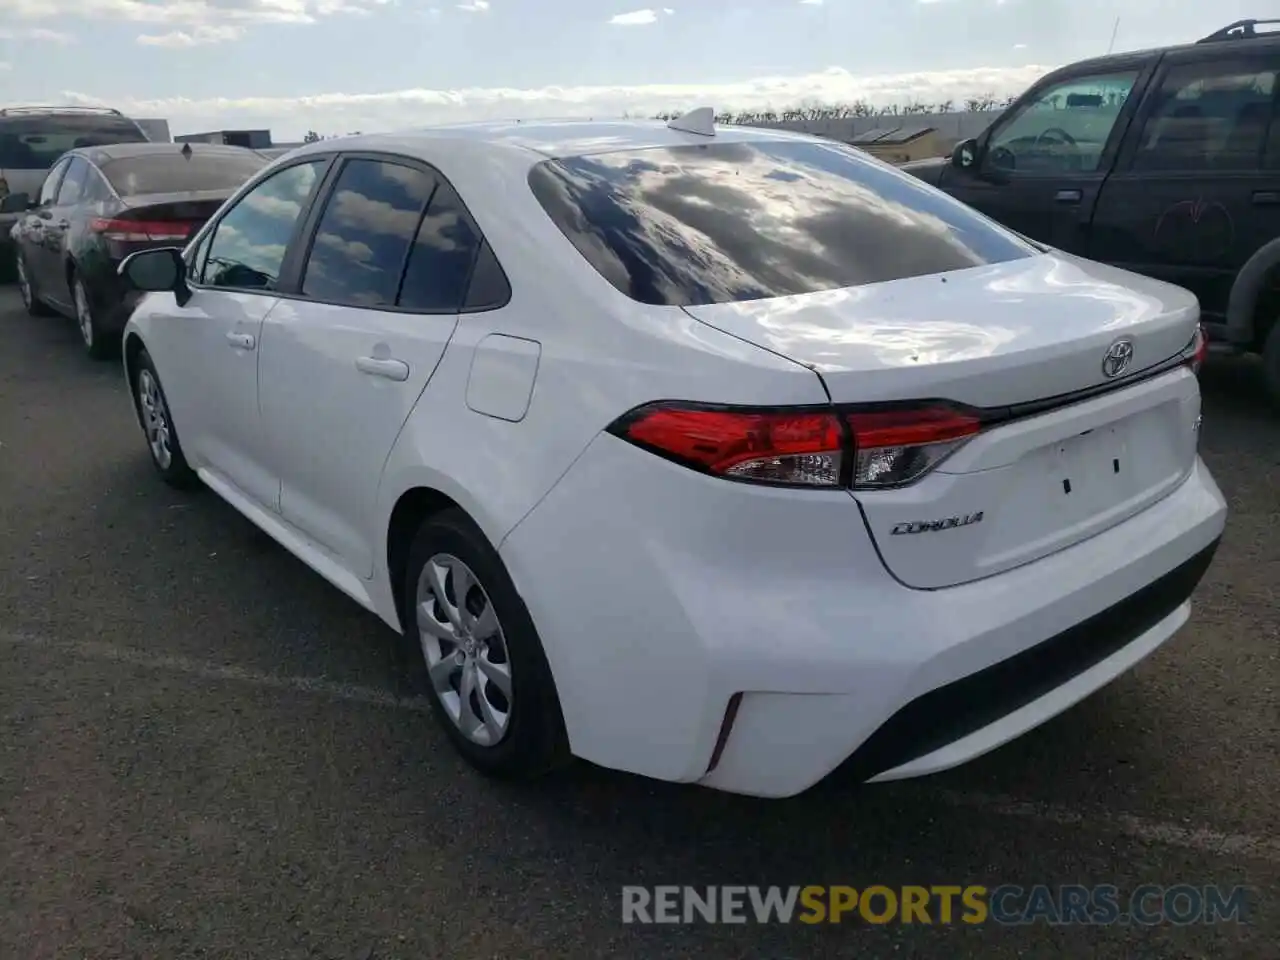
(743, 221)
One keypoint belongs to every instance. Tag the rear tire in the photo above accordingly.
(31, 301)
(97, 343)
(508, 724)
(157, 425)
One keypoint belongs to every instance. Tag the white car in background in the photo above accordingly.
(723, 456)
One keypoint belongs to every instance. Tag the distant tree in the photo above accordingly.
(810, 111)
(311, 137)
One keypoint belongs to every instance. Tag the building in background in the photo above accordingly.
(253, 139)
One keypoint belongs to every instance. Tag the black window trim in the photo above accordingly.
(291, 281)
(269, 172)
(1151, 101)
(1145, 64)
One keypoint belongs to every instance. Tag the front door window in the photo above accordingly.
(1063, 128)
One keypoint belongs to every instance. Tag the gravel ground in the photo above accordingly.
(201, 753)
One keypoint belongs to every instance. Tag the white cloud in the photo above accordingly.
(5, 66)
(35, 33)
(186, 13)
(638, 18)
(475, 6)
(811, 3)
(290, 117)
(197, 37)
(1019, 46)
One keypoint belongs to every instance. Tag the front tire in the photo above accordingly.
(31, 301)
(157, 425)
(97, 344)
(476, 655)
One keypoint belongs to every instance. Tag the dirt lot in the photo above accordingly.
(202, 755)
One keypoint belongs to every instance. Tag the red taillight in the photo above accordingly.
(1198, 350)
(801, 447)
(893, 447)
(140, 231)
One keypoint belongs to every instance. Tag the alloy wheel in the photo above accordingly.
(464, 648)
(155, 419)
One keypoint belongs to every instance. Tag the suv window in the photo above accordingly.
(36, 141)
(364, 233)
(77, 173)
(1064, 128)
(49, 189)
(1209, 116)
(734, 221)
(175, 173)
(443, 252)
(250, 241)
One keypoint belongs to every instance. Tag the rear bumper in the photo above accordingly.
(661, 597)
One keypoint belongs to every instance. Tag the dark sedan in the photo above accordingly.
(100, 204)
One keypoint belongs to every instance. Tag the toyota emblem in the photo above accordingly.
(1118, 357)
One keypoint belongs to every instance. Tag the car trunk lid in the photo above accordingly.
(1067, 448)
(158, 220)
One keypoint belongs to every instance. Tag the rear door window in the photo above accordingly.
(175, 173)
(49, 190)
(364, 234)
(444, 250)
(1209, 116)
(737, 221)
(36, 141)
(73, 183)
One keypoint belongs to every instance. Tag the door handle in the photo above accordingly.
(63, 224)
(44, 215)
(1266, 198)
(242, 341)
(1068, 196)
(396, 370)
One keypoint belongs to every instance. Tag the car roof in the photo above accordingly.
(126, 151)
(539, 139)
(1224, 47)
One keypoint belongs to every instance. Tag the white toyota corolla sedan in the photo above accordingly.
(717, 455)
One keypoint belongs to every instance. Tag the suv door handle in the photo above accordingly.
(1067, 196)
(396, 370)
(242, 341)
(1265, 198)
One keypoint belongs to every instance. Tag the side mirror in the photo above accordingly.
(157, 271)
(15, 203)
(965, 155)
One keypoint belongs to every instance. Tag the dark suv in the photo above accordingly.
(31, 141)
(1165, 162)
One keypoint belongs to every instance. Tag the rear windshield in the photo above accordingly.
(35, 142)
(684, 226)
(174, 173)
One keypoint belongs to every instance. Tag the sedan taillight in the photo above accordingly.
(140, 231)
(800, 447)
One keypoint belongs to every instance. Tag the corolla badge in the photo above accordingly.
(1117, 359)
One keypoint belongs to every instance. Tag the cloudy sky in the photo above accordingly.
(341, 65)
